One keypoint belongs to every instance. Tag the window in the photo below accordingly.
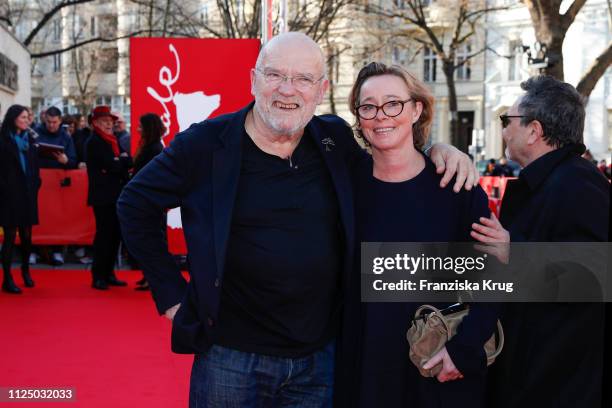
(77, 26)
(109, 60)
(77, 59)
(57, 62)
(429, 65)
(106, 25)
(21, 30)
(204, 13)
(514, 63)
(57, 30)
(399, 56)
(464, 72)
(239, 11)
(93, 29)
(68, 107)
(103, 100)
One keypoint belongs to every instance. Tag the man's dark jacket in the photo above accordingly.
(107, 174)
(199, 172)
(554, 351)
(61, 138)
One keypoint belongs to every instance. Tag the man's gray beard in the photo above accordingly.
(275, 129)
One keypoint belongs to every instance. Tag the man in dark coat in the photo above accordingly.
(51, 132)
(554, 351)
(107, 172)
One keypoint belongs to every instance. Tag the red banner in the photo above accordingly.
(495, 187)
(185, 81)
(65, 218)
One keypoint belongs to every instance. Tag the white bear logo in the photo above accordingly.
(190, 108)
(194, 107)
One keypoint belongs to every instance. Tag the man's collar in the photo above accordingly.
(537, 171)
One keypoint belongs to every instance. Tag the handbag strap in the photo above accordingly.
(437, 312)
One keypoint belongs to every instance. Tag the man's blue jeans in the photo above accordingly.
(228, 378)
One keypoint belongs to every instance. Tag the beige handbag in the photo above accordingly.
(432, 328)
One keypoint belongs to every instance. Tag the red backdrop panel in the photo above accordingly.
(185, 81)
(63, 213)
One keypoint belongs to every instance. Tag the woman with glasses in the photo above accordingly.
(398, 199)
(19, 184)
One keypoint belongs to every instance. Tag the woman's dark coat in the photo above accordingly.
(18, 190)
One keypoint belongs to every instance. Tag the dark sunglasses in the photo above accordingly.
(505, 119)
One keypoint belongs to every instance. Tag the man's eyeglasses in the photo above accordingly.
(392, 109)
(300, 82)
(505, 119)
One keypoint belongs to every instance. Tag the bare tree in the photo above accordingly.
(84, 64)
(316, 17)
(550, 29)
(243, 19)
(48, 16)
(455, 28)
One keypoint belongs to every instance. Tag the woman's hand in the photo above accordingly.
(494, 236)
(449, 372)
(450, 161)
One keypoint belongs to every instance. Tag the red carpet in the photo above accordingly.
(110, 346)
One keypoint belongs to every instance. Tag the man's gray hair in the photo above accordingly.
(557, 106)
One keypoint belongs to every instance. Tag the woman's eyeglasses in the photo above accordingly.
(391, 109)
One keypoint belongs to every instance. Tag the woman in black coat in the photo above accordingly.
(398, 199)
(19, 184)
(107, 172)
(150, 145)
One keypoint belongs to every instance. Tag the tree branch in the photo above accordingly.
(48, 15)
(568, 18)
(595, 72)
(100, 39)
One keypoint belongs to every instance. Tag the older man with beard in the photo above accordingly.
(267, 210)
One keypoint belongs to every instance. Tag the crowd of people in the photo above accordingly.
(99, 143)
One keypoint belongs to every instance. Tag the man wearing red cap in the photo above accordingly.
(107, 171)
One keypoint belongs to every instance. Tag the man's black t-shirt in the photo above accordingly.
(280, 293)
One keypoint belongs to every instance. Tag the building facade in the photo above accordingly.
(509, 33)
(15, 84)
